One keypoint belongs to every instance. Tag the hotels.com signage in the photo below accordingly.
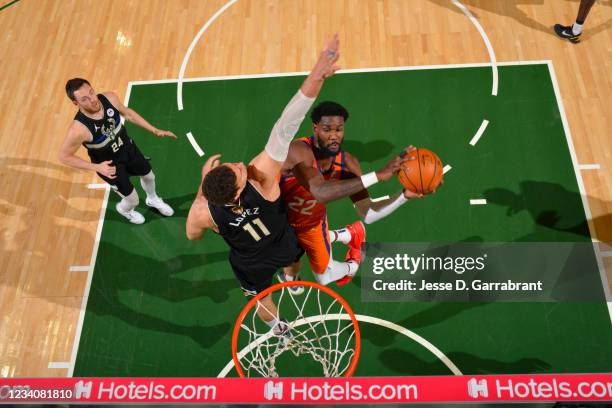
(435, 389)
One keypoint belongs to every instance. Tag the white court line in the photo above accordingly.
(377, 199)
(583, 196)
(344, 71)
(481, 130)
(59, 364)
(195, 144)
(487, 44)
(361, 318)
(79, 268)
(606, 254)
(447, 168)
(594, 166)
(92, 264)
(77, 334)
(478, 201)
(179, 90)
(97, 186)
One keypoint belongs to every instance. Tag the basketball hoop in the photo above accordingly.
(318, 324)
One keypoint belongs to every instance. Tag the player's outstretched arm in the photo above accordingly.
(132, 116)
(372, 211)
(354, 185)
(269, 162)
(199, 218)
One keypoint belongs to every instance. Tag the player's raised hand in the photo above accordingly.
(326, 64)
(164, 133)
(395, 164)
(409, 194)
(406, 152)
(107, 169)
(390, 169)
(212, 162)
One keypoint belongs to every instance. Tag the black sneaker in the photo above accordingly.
(294, 290)
(567, 33)
(282, 331)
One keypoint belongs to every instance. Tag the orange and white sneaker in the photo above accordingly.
(358, 235)
(352, 255)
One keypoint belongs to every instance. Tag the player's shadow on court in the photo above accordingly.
(150, 285)
(407, 363)
(369, 151)
(438, 313)
(180, 205)
(556, 212)
(110, 304)
(156, 276)
(36, 174)
(512, 9)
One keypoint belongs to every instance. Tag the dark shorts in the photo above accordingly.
(256, 275)
(131, 162)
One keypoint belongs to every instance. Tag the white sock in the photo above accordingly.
(353, 266)
(336, 270)
(148, 184)
(129, 202)
(271, 323)
(577, 28)
(340, 235)
(288, 277)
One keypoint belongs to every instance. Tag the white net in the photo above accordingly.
(313, 324)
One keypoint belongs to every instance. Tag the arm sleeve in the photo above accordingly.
(287, 126)
(371, 211)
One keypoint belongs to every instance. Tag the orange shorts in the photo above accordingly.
(315, 241)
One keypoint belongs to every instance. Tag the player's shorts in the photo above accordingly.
(315, 241)
(131, 162)
(257, 273)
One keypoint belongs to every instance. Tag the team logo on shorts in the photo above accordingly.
(110, 112)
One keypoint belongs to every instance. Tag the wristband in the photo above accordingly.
(402, 198)
(369, 179)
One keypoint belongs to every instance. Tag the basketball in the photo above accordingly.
(423, 174)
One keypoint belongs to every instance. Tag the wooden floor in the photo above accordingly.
(48, 216)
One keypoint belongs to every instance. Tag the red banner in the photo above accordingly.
(477, 388)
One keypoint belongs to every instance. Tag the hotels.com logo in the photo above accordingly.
(272, 390)
(82, 390)
(478, 388)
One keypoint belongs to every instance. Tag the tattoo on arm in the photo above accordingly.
(333, 190)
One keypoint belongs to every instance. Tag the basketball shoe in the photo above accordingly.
(358, 235)
(352, 255)
(294, 290)
(159, 204)
(282, 331)
(132, 216)
(567, 33)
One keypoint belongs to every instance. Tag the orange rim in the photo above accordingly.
(351, 369)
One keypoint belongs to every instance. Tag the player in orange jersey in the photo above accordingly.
(318, 171)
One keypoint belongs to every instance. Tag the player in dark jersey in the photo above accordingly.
(244, 205)
(114, 156)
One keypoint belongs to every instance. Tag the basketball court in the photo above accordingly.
(517, 116)
(140, 283)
